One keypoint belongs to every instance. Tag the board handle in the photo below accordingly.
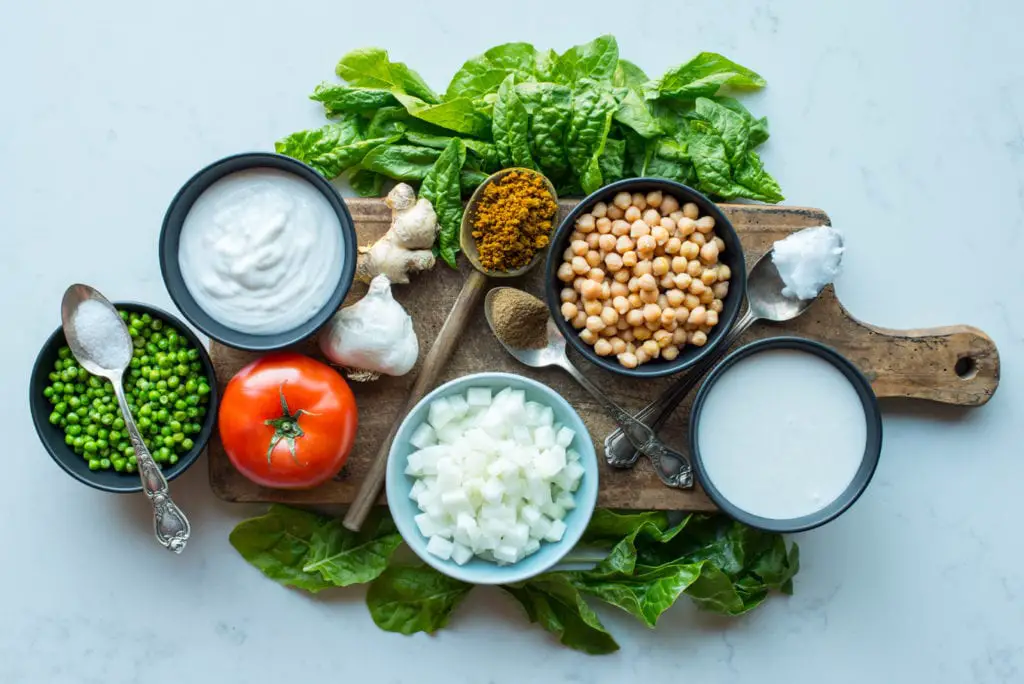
(435, 362)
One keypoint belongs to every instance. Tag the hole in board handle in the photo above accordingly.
(966, 368)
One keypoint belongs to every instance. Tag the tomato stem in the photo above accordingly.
(286, 427)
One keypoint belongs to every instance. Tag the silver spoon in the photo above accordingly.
(170, 524)
(765, 302)
(672, 468)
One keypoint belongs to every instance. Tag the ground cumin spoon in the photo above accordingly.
(443, 346)
(765, 302)
(672, 468)
(169, 523)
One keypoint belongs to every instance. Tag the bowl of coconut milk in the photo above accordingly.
(785, 434)
(258, 250)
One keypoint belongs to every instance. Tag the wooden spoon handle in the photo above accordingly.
(433, 365)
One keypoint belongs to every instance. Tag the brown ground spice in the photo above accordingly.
(513, 221)
(520, 320)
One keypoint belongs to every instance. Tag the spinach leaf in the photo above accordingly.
(711, 160)
(371, 68)
(629, 75)
(457, 115)
(758, 127)
(592, 109)
(366, 183)
(388, 121)
(633, 112)
(550, 108)
(470, 180)
(442, 187)
(731, 127)
(669, 159)
(553, 601)
(612, 161)
(596, 60)
(608, 525)
(484, 152)
(414, 598)
(343, 557)
(483, 74)
(278, 543)
(338, 99)
(702, 76)
(401, 162)
(331, 149)
(510, 127)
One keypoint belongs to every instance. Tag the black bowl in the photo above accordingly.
(170, 235)
(732, 257)
(52, 436)
(872, 449)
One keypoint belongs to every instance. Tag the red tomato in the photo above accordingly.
(288, 421)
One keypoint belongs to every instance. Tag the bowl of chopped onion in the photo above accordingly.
(492, 478)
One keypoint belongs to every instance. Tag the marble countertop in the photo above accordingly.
(903, 120)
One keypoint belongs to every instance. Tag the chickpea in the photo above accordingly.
(622, 324)
(679, 264)
(599, 210)
(724, 272)
(654, 199)
(652, 348)
(622, 200)
(635, 301)
(662, 300)
(667, 281)
(593, 240)
(577, 284)
(694, 269)
(642, 356)
(593, 258)
(604, 225)
(652, 312)
(647, 282)
(673, 296)
(698, 338)
(721, 290)
(709, 253)
(682, 281)
(602, 347)
(709, 276)
(706, 297)
(659, 266)
(595, 324)
(659, 250)
(705, 224)
(614, 213)
(613, 261)
(651, 217)
(660, 235)
(690, 210)
(565, 273)
(670, 353)
(669, 204)
(630, 347)
(629, 259)
(668, 316)
(633, 214)
(711, 318)
(673, 245)
(662, 337)
(588, 336)
(618, 345)
(569, 310)
(586, 223)
(686, 227)
(622, 277)
(606, 291)
(697, 287)
(716, 305)
(576, 235)
(634, 284)
(645, 243)
(623, 245)
(610, 316)
(593, 307)
(641, 333)
(691, 302)
(590, 289)
(596, 274)
(627, 337)
(668, 223)
(679, 337)
(628, 360)
(580, 320)
(720, 243)
(649, 296)
(620, 228)
(635, 317)
(698, 239)
(579, 247)
(606, 242)
(639, 201)
(682, 314)
(638, 228)
(676, 216)
(568, 295)
(698, 316)
(653, 325)
(580, 265)
(621, 305)
(689, 250)
(567, 255)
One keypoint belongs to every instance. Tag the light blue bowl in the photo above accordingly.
(476, 570)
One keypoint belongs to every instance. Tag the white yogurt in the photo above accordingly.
(782, 434)
(261, 251)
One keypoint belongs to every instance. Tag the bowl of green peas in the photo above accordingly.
(171, 390)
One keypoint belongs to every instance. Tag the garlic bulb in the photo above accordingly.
(372, 337)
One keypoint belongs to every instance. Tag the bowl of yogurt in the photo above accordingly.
(258, 251)
(785, 434)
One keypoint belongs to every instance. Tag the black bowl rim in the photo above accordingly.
(657, 368)
(171, 230)
(872, 449)
(132, 483)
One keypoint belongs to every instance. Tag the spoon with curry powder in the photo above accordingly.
(523, 326)
(503, 236)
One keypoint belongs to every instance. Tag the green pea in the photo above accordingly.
(180, 405)
(173, 381)
(191, 412)
(74, 430)
(92, 429)
(101, 444)
(80, 386)
(164, 400)
(90, 446)
(79, 442)
(107, 418)
(145, 410)
(58, 386)
(147, 319)
(173, 459)
(165, 431)
(61, 407)
(114, 437)
(144, 360)
(162, 415)
(104, 463)
(187, 444)
(94, 464)
(102, 434)
(181, 369)
(53, 377)
(69, 439)
(134, 365)
(192, 400)
(48, 392)
(179, 416)
(73, 418)
(54, 418)
(132, 459)
(177, 437)
(128, 451)
(144, 422)
(153, 395)
(119, 464)
(64, 353)
(82, 411)
(118, 423)
(161, 386)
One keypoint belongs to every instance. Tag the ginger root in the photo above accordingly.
(406, 247)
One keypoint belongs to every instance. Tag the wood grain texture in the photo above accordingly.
(920, 364)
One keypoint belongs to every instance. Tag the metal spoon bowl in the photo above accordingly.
(671, 467)
(169, 522)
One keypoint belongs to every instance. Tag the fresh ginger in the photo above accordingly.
(406, 247)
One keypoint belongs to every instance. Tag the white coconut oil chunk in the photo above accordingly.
(782, 434)
(808, 260)
(261, 251)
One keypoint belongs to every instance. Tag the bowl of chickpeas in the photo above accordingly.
(645, 276)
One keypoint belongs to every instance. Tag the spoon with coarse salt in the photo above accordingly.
(100, 342)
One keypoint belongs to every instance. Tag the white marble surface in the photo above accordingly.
(905, 121)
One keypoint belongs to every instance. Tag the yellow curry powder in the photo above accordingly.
(513, 221)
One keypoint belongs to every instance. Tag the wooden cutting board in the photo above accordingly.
(952, 365)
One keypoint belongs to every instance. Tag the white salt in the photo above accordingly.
(102, 334)
(808, 260)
